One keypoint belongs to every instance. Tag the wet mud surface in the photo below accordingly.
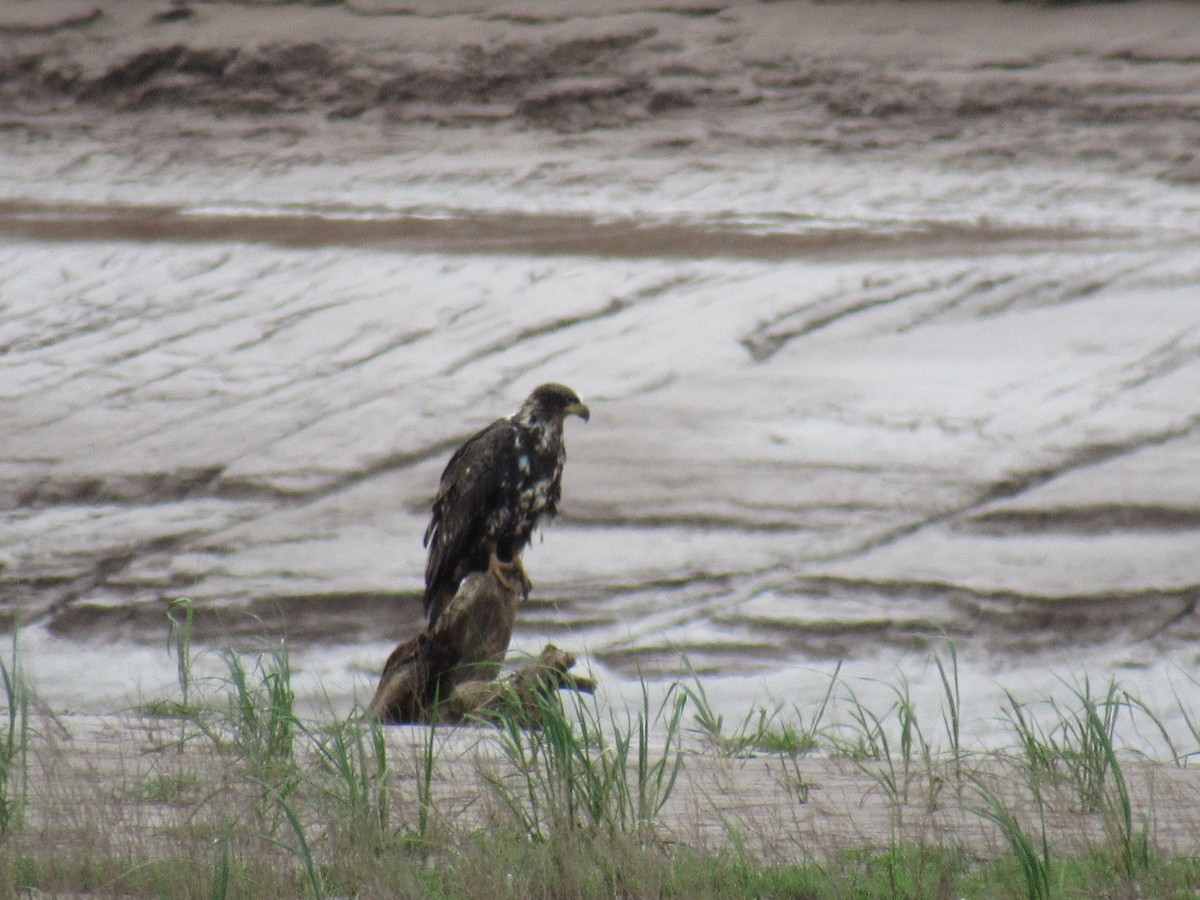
(890, 328)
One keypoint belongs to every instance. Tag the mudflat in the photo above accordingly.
(885, 313)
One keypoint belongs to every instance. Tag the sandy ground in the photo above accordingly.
(886, 314)
(776, 808)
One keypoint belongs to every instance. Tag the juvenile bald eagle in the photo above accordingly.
(496, 489)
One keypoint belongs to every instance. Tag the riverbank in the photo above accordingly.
(221, 789)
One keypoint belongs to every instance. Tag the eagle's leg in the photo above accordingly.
(510, 574)
(526, 584)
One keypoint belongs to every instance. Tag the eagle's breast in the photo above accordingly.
(540, 464)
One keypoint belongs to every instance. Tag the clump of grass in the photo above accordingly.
(710, 722)
(166, 708)
(175, 787)
(14, 743)
(1077, 747)
(1032, 857)
(302, 851)
(180, 614)
(1099, 775)
(895, 767)
(260, 712)
(248, 713)
(952, 707)
(426, 756)
(655, 774)
(762, 730)
(578, 771)
(222, 868)
(1191, 719)
(354, 755)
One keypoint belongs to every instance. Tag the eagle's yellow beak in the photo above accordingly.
(579, 409)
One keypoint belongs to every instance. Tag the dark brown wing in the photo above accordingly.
(470, 491)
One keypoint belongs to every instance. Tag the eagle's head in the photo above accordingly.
(551, 403)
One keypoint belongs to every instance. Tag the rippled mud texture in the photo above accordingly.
(886, 313)
(993, 84)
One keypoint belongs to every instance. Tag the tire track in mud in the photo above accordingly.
(614, 307)
(558, 325)
(929, 298)
(1093, 519)
(1082, 456)
(771, 337)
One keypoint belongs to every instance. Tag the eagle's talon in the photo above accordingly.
(526, 584)
(511, 575)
